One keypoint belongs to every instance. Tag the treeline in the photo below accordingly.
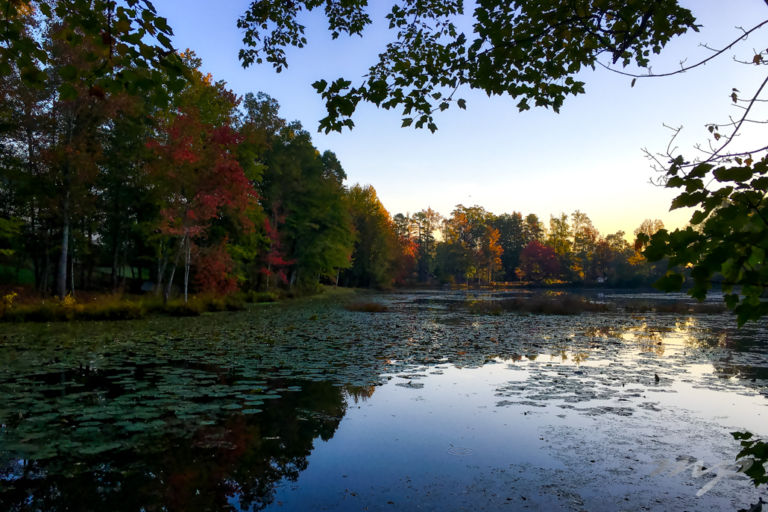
(118, 173)
(474, 246)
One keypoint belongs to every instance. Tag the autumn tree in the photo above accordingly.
(538, 263)
(195, 164)
(471, 248)
(585, 238)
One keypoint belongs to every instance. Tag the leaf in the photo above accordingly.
(738, 174)
(698, 217)
(320, 85)
(407, 121)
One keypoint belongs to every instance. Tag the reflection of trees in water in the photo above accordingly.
(232, 464)
(359, 393)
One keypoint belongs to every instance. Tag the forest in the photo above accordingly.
(177, 186)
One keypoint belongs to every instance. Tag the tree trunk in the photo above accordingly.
(162, 262)
(115, 262)
(187, 255)
(167, 293)
(46, 272)
(61, 275)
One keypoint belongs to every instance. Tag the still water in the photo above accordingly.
(427, 406)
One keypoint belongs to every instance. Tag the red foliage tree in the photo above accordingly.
(538, 262)
(213, 270)
(275, 263)
(202, 180)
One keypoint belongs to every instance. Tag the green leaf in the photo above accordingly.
(738, 174)
(320, 85)
(698, 217)
(700, 170)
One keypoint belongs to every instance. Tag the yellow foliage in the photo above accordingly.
(68, 301)
(8, 300)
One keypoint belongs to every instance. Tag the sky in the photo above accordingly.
(588, 157)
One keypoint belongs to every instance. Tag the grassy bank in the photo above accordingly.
(120, 307)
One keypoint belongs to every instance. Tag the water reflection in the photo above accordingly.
(240, 411)
(231, 464)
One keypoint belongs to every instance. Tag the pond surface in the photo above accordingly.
(427, 406)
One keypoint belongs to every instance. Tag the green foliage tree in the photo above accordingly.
(376, 249)
(512, 241)
(424, 224)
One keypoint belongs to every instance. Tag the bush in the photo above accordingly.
(113, 307)
(181, 308)
(254, 296)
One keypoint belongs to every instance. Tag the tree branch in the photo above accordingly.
(683, 69)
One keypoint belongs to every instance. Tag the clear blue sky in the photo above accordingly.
(587, 157)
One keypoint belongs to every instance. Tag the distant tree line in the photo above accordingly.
(474, 246)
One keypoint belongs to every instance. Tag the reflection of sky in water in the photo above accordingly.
(448, 438)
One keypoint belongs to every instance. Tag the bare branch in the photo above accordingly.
(683, 69)
(741, 121)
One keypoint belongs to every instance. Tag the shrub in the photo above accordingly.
(254, 296)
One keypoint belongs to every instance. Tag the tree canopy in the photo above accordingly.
(530, 50)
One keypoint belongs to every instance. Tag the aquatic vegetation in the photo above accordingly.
(565, 304)
(366, 307)
(120, 401)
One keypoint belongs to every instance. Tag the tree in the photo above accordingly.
(512, 241)
(527, 49)
(127, 43)
(585, 238)
(194, 163)
(538, 263)
(424, 224)
(376, 244)
(463, 232)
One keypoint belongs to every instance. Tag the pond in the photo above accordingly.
(433, 404)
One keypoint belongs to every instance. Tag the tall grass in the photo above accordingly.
(116, 307)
